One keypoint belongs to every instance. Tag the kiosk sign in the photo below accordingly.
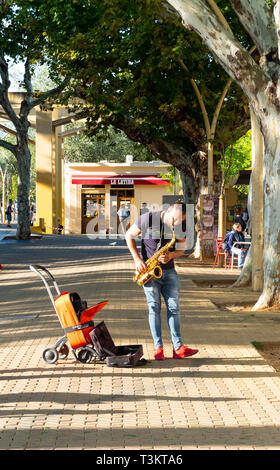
(122, 181)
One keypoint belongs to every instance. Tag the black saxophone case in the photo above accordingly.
(116, 356)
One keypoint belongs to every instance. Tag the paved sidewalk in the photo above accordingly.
(226, 397)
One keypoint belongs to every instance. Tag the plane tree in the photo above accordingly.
(22, 40)
(261, 83)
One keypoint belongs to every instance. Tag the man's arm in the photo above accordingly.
(130, 235)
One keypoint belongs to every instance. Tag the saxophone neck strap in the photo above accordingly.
(161, 238)
(161, 222)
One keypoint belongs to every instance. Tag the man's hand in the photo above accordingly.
(140, 265)
(133, 232)
(165, 258)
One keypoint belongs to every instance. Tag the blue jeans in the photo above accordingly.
(169, 287)
(241, 255)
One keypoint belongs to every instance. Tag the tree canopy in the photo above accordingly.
(131, 67)
(111, 146)
(124, 58)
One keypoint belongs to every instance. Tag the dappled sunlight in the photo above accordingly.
(212, 398)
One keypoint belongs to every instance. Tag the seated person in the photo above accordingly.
(238, 249)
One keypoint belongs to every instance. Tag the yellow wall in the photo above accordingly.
(49, 170)
(44, 169)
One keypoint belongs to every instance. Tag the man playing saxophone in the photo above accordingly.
(155, 229)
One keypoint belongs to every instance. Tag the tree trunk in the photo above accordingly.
(271, 216)
(24, 161)
(245, 277)
(192, 189)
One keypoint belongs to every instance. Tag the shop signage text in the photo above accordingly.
(122, 181)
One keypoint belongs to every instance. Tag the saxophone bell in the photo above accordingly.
(157, 273)
(147, 275)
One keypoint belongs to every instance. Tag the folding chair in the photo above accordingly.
(233, 257)
(220, 252)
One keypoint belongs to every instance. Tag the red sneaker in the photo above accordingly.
(183, 351)
(158, 354)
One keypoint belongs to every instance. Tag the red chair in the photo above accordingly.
(221, 252)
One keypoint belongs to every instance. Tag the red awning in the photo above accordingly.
(118, 179)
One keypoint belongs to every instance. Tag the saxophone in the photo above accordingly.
(153, 269)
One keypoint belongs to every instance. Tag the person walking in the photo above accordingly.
(124, 214)
(31, 214)
(144, 208)
(9, 211)
(155, 227)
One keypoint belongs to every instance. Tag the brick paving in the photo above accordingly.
(225, 397)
